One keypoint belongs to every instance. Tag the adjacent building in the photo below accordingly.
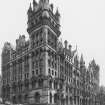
(42, 69)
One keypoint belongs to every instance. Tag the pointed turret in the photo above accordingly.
(29, 13)
(52, 7)
(93, 62)
(57, 15)
(29, 10)
(81, 59)
(82, 63)
(35, 5)
(66, 43)
(76, 61)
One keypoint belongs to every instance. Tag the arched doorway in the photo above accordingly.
(55, 98)
(26, 98)
(37, 97)
(20, 99)
(14, 99)
(50, 97)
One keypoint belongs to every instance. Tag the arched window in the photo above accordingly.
(26, 97)
(50, 97)
(19, 99)
(71, 100)
(14, 99)
(33, 83)
(40, 83)
(55, 85)
(37, 97)
(50, 84)
(66, 100)
(55, 98)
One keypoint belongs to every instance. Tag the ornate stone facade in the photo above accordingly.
(43, 70)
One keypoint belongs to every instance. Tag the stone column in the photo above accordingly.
(30, 65)
(23, 73)
(11, 77)
(68, 100)
(30, 69)
(45, 35)
(11, 71)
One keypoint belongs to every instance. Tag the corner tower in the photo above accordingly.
(44, 31)
(43, 28)
(43, 23)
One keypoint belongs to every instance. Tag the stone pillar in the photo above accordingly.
(17, 70)
(68, 100)
(52, 98)
(30, 69)
(23, 73)
(23, 69)
(30, 65)
(11, 77)
(45, 36)
(11, 71)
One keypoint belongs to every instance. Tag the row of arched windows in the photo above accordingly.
(55, 98)
(24, 98)
(53, 84)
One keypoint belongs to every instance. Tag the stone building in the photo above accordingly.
(43, 70)
(100, 97)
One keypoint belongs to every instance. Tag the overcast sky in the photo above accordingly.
(82, 23)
